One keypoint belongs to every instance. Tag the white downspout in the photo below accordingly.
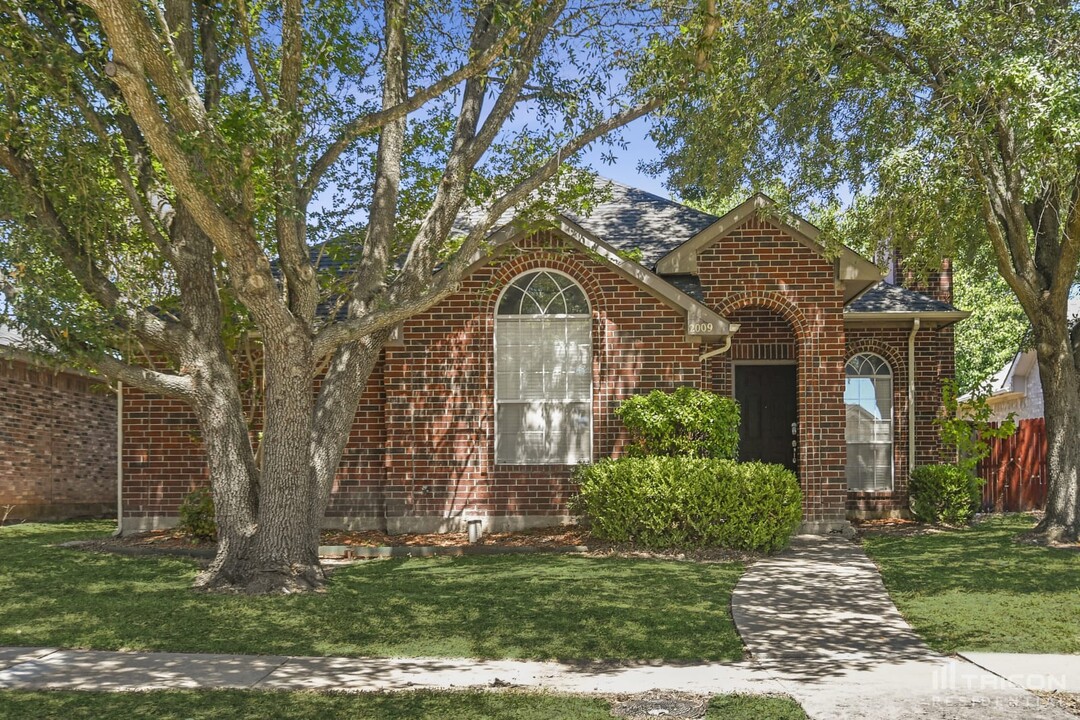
(119, 459)
(717, 351)
(911, 394)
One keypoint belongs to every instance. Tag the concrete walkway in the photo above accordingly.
(817, 618)
(47, 668)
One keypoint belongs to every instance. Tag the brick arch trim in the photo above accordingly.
(872, 345)
(774, 301)
(546, 260)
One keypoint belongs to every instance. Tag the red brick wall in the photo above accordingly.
(933, 362)
(162, 454)
(422, 448)
(789, 290)
(423, 443)
(57, 444)
(439, 388)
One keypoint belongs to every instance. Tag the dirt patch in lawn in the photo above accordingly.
(1033, 538)
(895, 527)
(659, 703)
(1066, 701)
(547, 538)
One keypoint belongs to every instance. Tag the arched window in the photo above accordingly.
(543, 372)
(868, 398)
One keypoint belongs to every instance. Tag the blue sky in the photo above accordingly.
(625, 169)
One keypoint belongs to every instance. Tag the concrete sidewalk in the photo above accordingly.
(817, 618)
(46, 668)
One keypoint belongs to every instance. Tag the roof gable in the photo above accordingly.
(856, 272)
(701, 321)
(634, 219)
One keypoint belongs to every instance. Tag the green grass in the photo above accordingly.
(421, 705)
(979, 590)
(536, 607)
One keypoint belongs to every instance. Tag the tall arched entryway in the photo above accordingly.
(761, 372)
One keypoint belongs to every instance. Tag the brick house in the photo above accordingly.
(57, 439)
(481, 406)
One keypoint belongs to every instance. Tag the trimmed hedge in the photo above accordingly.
(944, 493)
(684, 502)
(687, 422)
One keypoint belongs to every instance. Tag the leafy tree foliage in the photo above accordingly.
(178, 176)
(957, 125)
(989, 339)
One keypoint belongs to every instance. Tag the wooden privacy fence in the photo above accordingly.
(1015, 470)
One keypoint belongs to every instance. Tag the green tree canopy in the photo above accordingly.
(167, 167)
(955, 126)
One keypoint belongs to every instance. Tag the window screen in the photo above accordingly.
(543, 372)
(868, 399)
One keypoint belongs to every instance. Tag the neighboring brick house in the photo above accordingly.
(483, 405)
(57, 439)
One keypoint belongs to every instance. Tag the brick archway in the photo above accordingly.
(818, 356)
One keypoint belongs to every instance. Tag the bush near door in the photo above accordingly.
(680, 501)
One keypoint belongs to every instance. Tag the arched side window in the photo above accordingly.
(543, 372)
(868, 399)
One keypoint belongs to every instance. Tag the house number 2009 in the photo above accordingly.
(699, 328)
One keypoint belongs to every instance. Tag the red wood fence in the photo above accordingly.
(1015, 470)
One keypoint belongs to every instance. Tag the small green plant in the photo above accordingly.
(197, 515)
(687, 422)
(966, 425)
(947, 494)
(950, 493)
(685, 502)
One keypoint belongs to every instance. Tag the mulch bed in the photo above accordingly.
(557, 538)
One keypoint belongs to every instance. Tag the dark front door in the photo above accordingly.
(766, 395)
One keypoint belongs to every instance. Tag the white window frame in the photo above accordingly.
(874, 378)
(495, 353)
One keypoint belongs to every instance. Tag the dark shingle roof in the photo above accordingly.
(631, 218)
(689, 284)
(885, 297)
(627, 219)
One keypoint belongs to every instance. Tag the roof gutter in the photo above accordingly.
(944, 318)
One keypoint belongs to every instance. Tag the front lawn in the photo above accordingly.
(253, 705)
(535, 607)
(980, 590)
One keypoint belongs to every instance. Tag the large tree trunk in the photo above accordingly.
(1061, 398)
(287, 541)
(234, 477)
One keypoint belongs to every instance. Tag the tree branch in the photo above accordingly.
(372, 121)
(159, 332)
(249, 52)
(178, 386)
(406, 304)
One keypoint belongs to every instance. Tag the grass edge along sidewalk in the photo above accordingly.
(409, 705)
(983, 588)
(513, 607)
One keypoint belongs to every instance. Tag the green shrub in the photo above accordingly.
(944, 493)
(686, 422)
(197, 515)
(685, 502)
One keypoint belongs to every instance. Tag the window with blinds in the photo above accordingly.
(868, 399)
(543, 372)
